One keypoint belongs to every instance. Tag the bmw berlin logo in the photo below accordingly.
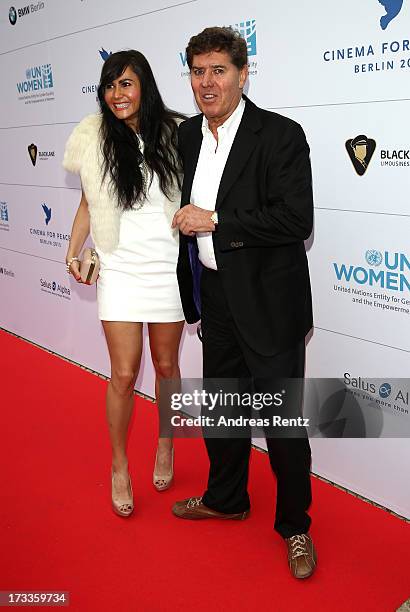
(12, 15)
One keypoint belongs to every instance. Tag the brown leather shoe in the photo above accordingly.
(194, 509)
(302, 556)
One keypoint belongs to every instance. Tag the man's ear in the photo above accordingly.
(243, 75)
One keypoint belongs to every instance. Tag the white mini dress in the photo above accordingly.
(138, 279)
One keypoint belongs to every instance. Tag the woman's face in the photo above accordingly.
(123, 97)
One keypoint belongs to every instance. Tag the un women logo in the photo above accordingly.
(374, 258)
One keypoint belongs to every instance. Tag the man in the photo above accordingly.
(247, 207)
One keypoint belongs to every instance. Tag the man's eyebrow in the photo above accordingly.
(212, 66)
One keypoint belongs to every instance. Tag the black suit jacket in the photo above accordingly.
(265, 212)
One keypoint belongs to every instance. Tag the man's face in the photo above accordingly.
(360, 151)
(217, 84)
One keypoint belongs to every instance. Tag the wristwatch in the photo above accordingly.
(214, 218)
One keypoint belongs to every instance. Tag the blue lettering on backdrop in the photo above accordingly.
(386, 279)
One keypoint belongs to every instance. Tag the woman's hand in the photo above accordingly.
(74, 268)
(79, 233)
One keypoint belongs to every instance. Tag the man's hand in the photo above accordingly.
(191, 219)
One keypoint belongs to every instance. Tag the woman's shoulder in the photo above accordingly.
(179, 120)
(89, 126)
(83, 135)
(175, 118)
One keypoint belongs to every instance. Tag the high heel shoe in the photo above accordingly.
(121, 505)
(162, 482)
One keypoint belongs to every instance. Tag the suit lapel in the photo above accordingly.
(242, 147)
(190, 160)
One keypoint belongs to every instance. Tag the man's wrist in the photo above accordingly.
(214, 218)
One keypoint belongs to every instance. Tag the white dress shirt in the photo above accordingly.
(211, 163)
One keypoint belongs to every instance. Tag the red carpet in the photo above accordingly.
(57, 530)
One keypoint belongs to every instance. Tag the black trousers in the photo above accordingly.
(225, 355)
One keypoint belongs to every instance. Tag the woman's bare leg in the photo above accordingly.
(124, 341)
(164, 339)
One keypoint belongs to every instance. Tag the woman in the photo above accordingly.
(129, 168)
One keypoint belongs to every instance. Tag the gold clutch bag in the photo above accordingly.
(89, 266)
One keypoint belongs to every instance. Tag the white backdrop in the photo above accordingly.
(329, 65)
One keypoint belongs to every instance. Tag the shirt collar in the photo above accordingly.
(230, 125)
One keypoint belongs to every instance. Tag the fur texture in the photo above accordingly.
(83, 156)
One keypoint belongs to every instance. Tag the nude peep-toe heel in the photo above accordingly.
(121, 505)
(162, 482)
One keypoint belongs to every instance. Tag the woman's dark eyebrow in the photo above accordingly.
(121, 81)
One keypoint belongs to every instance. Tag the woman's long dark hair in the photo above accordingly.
(157, 128)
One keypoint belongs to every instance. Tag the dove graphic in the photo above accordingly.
(47, 212)
(393, 8)
(104, 54)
